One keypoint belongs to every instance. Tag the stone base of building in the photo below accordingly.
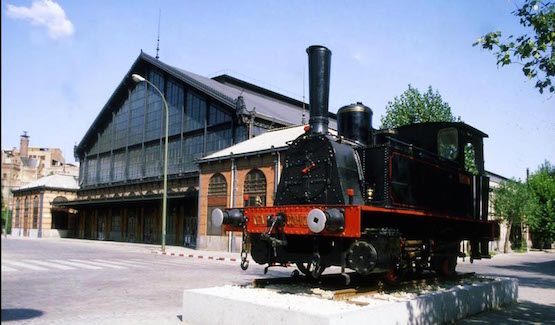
(225, 243)
(46, 233)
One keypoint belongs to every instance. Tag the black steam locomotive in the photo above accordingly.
(375, 201)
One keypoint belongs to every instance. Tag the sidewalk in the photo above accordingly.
(177, 251)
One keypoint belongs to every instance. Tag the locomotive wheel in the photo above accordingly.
(393, 277)
(447, 266)
(310, 270)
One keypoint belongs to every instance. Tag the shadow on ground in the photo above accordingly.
(522, 313)
(12, 314)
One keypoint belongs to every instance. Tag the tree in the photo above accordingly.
(534, 50)
(511, 202)
(541, 218)
(414, 107)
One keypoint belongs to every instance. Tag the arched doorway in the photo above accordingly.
(59, 214)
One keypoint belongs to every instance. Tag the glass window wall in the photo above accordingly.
(91, 171)
(174, 156)
(135, 163)
(218, 115)
(137, 119)
(193, 148)
(122, 126)
(104, 176)
(196, 111)
(152, 160)
(119, 166)
(218, 140)
(174, 97)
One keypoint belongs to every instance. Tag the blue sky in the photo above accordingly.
(62, 60)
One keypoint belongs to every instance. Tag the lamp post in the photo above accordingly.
(138, 78)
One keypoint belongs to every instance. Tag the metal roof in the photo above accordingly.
(273, 140)
(57, 181)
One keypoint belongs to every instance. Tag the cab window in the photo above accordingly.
(448, 143)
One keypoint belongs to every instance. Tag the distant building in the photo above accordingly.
(34, 212)
(517, 233)
(28, 164)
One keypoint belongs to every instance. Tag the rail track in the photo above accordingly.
(332, 286)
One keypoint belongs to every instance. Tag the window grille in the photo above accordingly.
(217, 186)
(255, 188)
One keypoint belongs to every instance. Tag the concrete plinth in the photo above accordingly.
(237, 305)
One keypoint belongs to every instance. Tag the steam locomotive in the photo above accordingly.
(386, 201)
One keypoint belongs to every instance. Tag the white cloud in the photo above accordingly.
(44, 13)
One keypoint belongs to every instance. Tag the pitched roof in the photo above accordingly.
(57, 181)
(272, 108)
(273, 140)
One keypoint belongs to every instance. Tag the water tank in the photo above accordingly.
(354, 122)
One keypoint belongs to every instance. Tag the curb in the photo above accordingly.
(229, 259)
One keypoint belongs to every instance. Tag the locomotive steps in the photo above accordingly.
(293, 303)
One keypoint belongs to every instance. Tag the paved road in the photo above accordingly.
(535, 272)
(90, 282)
(83, 282)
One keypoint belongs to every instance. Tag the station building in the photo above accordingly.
(121, 155)
(36, 213)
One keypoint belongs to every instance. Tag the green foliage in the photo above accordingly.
(531, 203)
(511, 202)
(413, 107)
(470, 159)
(534, 50)
(541, 218)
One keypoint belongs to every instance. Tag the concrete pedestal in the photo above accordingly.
(237, 305)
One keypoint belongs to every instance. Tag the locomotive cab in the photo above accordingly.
(436, 167)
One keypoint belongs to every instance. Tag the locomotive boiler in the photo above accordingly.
(374, 201)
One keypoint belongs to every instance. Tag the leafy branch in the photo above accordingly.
(534, 50)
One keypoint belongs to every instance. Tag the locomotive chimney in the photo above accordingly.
(319, 61)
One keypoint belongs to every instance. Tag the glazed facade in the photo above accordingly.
(122, 154)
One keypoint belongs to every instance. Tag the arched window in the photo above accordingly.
(26, 213)
(17, 215)
(217, 186)
(59, 199)
(35, 212)
(255, 188)
(217, 198)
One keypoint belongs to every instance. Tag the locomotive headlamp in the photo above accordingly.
(332, 220)
(232, 217)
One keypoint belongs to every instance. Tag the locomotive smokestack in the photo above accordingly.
(319, 61)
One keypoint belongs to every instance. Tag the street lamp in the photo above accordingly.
(138, 78)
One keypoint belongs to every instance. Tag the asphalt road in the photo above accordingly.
(87, 282)
(535, 272)
(83, 282)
